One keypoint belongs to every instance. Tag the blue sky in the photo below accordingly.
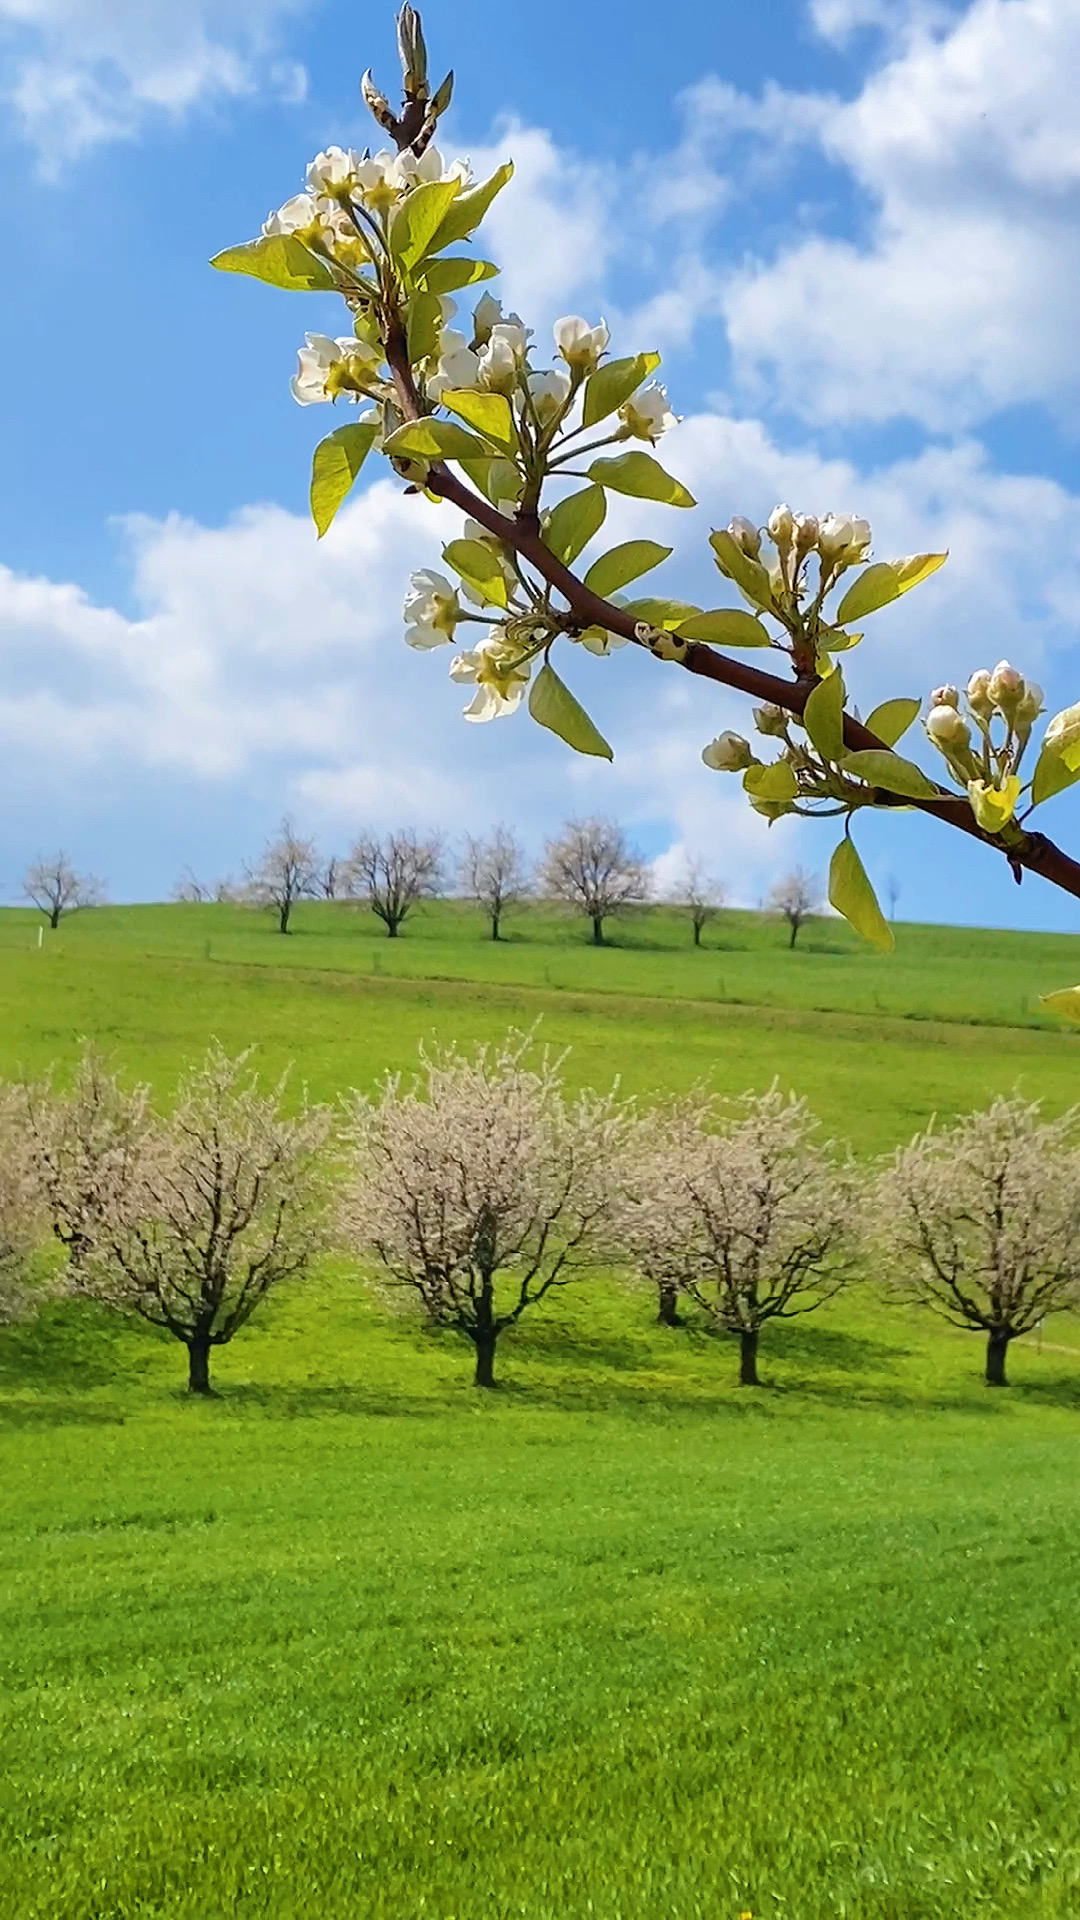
(850, 226)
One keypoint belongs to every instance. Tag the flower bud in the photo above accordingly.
(771, 720)
(745, 535)
(978, 694)
(1031, 705)
(947, 728)
(860, 537)
(487, 314)
(835, 534)
(1006, 689)
(728, 753)
(781, 525)
(806, 532)
(945, 697)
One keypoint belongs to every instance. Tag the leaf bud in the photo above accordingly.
(978, 694)
(745, 535)
(947, 728)
(945, 697)
(728, 753)
(771, 720)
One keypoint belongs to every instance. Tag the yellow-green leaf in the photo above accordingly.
(776, 782)
(281, 260)
(419, 217)
(610, 385)
(497, 480)
(468, 210)
(823, 716)
(643, 477)
(891, 771)
(433, 440)
(892, 719)
(852, 895)
(446, 276)
(620, 565)
(749, 575)
(489, 413)
(479, 565)
(423, 325)
(726, 627)
(885, 581)
(669, 614)
(1066, 1002)
(336, 463)
(571, 525)
(917, 567)
(1052, 775)
(552, 704)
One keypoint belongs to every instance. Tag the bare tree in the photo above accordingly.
(892, 893)
(797, 897)
(479, 1187)
(699, 894)
(55, 888)
(190, 891)
(749, 1218)
(331, 877)
(495, 873)
(980, 1222)
(287, 871)
(206, 1211)
(393, 873)
(593, 868)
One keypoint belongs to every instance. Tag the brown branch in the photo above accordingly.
(1029, 850)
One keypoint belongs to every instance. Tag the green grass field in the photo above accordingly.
(620, 1641)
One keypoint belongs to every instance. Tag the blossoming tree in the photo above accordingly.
(473, 417)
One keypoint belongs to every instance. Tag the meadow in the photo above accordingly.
(621, 1640)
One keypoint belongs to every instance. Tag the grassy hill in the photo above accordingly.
(621, 1642)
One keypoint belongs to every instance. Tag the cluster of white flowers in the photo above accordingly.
(990, 770)
(840, 540)
(328, 368)
(499, 666)
(432, 609)
(340, 178)
(499, 674)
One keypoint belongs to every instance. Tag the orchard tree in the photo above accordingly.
(471, 415)
(495, 873)
(21, 1219)
(203, 1212)
(592, 866)
(330, 879)
(190, 891)
(700, 896)
(479, 1187)
(393, 873)
(742, 1211)
(980, 1222)
(797, 898)
(287, 871)
(55, 888)
(82, 1142)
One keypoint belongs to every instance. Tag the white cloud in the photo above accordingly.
(98, 69)
(553, 229)
(261, 662)
(960, 302)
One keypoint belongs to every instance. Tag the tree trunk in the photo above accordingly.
(598, 929)
(283, 918)
(794, 933)
(997, 1347)
(748, 1344)
(485, 1339)
(199, 1364)
(697, 934)
(391, 929)
(54, 918)
(495, 926)
(668, 1314)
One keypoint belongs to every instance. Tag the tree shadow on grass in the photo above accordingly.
(1062, 1391)
(307, 1400)
(73, 1346)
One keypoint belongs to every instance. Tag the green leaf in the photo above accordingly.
(620, 565)
(749, 575)
(1052, 776)
(777, 781)
(669, 614)
(468, 210)
(281, 260)
(643, 477)
(553, 705)
(446, 276)
(497, 480)
(891, 771)
(419, 218)
(479, 565)
(609, 386)
(852, 895)
(823, 716)
(892, 719)
(423, 326)
(1066, 1002)
(885, 581)
(489, 413)
(336, 463)
(726, 627)
(433, 440)
(571, 525)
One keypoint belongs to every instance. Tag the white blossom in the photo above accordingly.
(549, 393)
(728, 753)
(458, 365)
(432, 609)
(947, 728)
(499, 361)
(647, 414)
(329, 367)
(579, 344)
(499, 676)
(333, 172)
(745, 535)
(297, 213)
